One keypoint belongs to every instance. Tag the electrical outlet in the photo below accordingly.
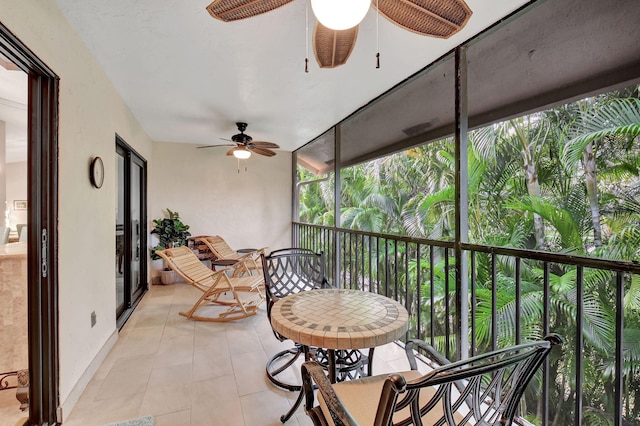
(93, 318)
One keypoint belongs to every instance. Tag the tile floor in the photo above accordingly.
(185, 372)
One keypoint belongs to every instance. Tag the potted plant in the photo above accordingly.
(171, 232)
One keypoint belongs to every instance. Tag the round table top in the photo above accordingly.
(339, 319)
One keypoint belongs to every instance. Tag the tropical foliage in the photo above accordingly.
(566, 180)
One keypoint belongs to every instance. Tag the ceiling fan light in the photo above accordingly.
(340, 14)
(241, 154)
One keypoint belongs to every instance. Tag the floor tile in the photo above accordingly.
(186, 372)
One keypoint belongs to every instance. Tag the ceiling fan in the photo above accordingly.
(332, 47)
(244, 145)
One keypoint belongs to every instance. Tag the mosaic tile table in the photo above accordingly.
(339, 319)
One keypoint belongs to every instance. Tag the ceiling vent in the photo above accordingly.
(417, 129)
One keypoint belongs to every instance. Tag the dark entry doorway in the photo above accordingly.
(131, 242)
(41, 236)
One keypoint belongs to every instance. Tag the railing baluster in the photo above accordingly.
(474, 302)
(447, 313)
(432, 294)
(343, 241)
(396, 270)
(378, 265)
(407, 299)
(619, 356)
(579, 344)
(386, 267)
(545, 327)
(518, 298)
(494, 303)
(362, 263)
(369, 240)
(418, 291)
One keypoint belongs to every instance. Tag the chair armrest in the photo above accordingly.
(385, 401)
(430, 353)
(340, 414)
(244, 258)
(245, 263)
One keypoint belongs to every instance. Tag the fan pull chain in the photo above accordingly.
(306, 38)
(377, 34)
(245, 166)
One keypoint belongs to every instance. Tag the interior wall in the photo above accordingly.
(16, 190)
(251, 208)
(91, 112)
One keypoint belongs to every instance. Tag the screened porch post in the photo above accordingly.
(461, 203)
(337, 189)
(295, 199)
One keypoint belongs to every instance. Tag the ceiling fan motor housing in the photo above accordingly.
(244, 144)
(241, 137)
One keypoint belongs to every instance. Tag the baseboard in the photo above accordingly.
(67, 406)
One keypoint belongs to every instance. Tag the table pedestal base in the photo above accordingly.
(273, 370)
(341, 365)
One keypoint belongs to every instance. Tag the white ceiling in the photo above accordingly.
(188, 77)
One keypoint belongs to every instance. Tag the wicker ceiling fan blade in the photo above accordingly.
(332, 47)
(262, 151)
(234, 10)
(262, 144)
(437, 18)
(214, 146)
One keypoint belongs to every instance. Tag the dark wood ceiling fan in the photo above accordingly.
(244, 142)
(436, 18)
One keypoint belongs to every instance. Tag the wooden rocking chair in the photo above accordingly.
(221, 250)
(245, 292)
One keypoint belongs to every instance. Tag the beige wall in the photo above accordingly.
(91, 113)
(248, 209)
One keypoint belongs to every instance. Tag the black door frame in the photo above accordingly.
(42, 137)
(131, 300)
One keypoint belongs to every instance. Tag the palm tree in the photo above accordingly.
(595, 121)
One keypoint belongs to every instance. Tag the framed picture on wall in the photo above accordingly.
(20, 205)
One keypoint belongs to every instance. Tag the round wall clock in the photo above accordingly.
(96, 172)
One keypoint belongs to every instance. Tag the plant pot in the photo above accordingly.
(167, 277)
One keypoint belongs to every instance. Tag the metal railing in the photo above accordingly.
(515, 295)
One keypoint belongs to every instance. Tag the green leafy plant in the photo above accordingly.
(171, 232)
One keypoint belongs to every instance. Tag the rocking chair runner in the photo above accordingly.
(221, 250)
(483, 390)
(245, 290)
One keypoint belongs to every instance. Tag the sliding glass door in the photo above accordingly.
(131, 244)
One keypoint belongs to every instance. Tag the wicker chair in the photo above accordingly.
(245, 292)
(221, 250)
(483, 390)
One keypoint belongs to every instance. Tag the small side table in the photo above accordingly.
(222, 262)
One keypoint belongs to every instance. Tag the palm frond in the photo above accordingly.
(632, 298)
(559, 218)
(616, 117)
